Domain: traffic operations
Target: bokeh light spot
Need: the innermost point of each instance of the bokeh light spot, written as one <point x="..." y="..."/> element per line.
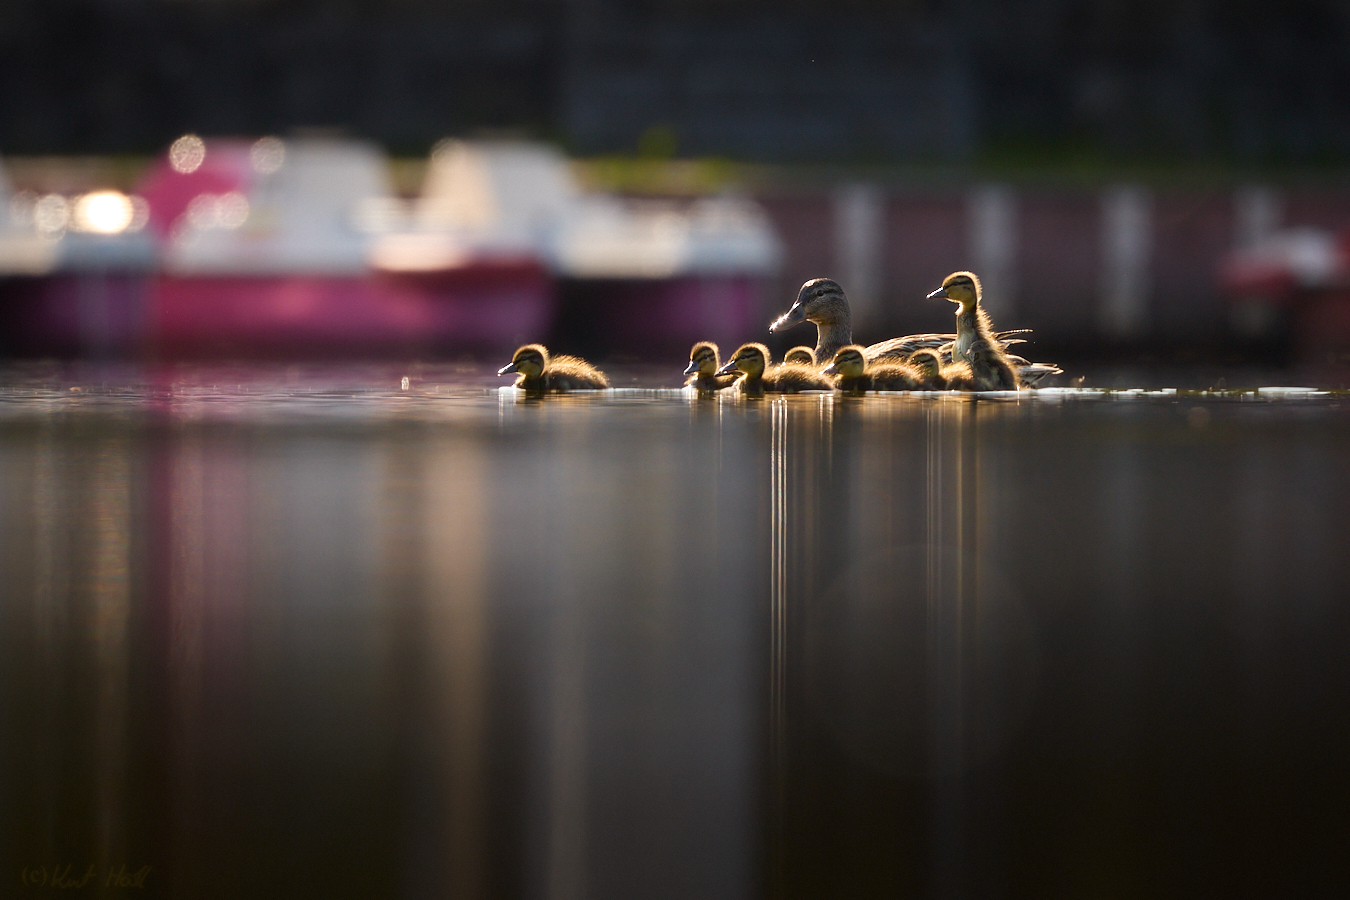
<point x="232" y="210"/>
<point x="187" y="154"/>
<point x="267" y="155"/>
<point x="102" y="212"/>
<point x="51" y="215"/>
<point x="203" y="212"/>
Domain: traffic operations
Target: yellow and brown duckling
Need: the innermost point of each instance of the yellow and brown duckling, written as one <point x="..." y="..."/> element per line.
<point x="990" y="368"/>
<point x="853" y="373"/>
<point x="703" y="366"/>
<point x="973" y="324"/>
<point x="802" y="356"/>
<point x="935" y="375"/>
<point x="752" y="361"/>
<point x="541" y="373"/>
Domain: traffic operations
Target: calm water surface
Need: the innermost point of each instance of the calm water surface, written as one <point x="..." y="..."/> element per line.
<point x="301" y="632"/>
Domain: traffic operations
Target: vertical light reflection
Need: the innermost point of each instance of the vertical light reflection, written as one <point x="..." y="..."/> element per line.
<point x="187" y="603"/>
<point x="778" y="417"/>
<point x="50" y="619"/>
<point x="933" y="517"/>
<point x="109" y="590"/>
<point x="568" y="717"/>
<point x="456" y="642"/>
<point x="951" y="527"/>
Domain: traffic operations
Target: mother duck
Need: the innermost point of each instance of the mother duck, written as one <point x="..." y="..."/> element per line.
<point x="821" y="301"/>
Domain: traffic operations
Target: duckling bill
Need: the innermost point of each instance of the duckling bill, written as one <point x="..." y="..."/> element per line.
<point x="541" y="373"/>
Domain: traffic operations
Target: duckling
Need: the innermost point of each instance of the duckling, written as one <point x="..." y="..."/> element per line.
<point x="853" y="373"/>
<point x="540" y="373"/>
<point x="990" y="368"/>
<point x="973" y="324"/>
<point x="803" y="356"/>
<point x="822" y="302"/>
<point x="937" y="376"/>
<point x="753" y="361"/>
<point x="703" y="364"/>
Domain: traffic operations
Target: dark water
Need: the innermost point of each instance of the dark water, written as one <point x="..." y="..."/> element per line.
<point x="307" y="634"/>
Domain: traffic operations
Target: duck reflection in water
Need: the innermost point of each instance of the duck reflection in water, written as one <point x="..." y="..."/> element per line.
<point x="541" y="374"/>
<point x="757" y="377"/>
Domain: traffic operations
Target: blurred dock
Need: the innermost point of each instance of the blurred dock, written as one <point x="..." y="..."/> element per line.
<point x="305" y="246"/>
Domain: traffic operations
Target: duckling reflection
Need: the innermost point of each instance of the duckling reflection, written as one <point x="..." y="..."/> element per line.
<point x="802" y="356"/>
<point x="973" y="324"/>
<point x="934" y="375"/>
<point x="540" y="373"/>
<point x="854" y="374"/>
<point x="757" y="377"/>
<point x="703" y="366"/>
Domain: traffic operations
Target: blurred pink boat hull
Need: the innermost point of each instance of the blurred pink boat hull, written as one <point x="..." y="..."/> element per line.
<point x="488" y="308"/>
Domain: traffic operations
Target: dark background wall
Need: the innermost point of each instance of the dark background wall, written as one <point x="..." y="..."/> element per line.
<point x="1227" y="80"/>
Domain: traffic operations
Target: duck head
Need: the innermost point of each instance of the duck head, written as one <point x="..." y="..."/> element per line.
<point x="748" y="358"/>
<point x="959" y="287"/>
<point x="848" y="362"/>
<point x="530" y="361"/>
<point x="702" y="359"/>
<point x="804" y="356"/>
<point x="819" y="300"/>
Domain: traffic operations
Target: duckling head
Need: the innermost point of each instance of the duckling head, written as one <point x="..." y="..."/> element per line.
<point x="819" y="300"/>
<point x="702" y="359"/>
<point x="959" y="287"/>
<point x="801" y="355"/>
<point x="748" y="358"/>
<point x="981" y="351"/>
<point x="848" y="362"/>
<point x="927" y="362"/>
<point x="530" y="361"/>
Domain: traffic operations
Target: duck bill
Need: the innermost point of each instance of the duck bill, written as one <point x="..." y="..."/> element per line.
<point x="792" y="317"/>
<point x="507" y="369"/>
<point x="939" y="294"/>
<point x="691" y="368"/>
<point x="727" y="369"/>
